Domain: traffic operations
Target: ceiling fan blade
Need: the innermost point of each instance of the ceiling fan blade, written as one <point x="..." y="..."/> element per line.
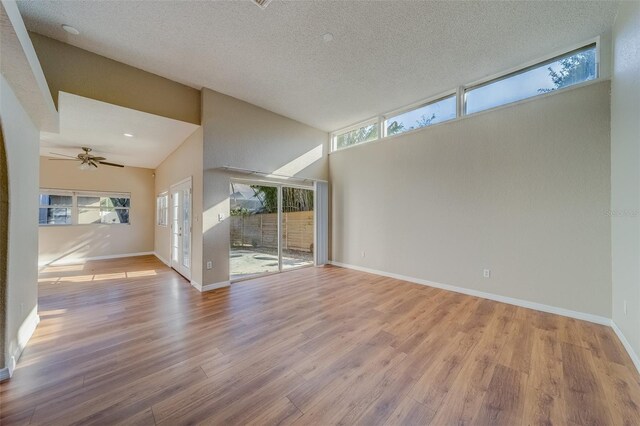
<point x="64" y="159"/>
<point x="110" y="164"/>
<point x="98" y="158"/>
<point x="93" y="163"/>
<point x="63" y="155"/>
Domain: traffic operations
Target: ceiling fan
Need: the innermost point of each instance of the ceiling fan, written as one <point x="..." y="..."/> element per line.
<point x="87" y="160"/>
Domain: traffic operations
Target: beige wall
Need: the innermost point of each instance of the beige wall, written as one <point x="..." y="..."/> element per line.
<point x="242" y="135"/>
<point x="522" y="190"/>
<point x="22" y="139"/>
<point x="74" y="70"/>
<point x="184" y="162"/>
<point x="625" y="171"/>
<point x="68" y="243"/>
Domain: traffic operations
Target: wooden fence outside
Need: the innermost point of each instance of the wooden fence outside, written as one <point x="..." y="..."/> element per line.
<point x="261" y="230"/>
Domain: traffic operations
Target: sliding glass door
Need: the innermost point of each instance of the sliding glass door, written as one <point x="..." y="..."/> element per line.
<point x="297" y="227"/>
<point x="272" y="228"/>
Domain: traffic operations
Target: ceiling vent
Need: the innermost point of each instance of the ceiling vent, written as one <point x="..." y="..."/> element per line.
<point x="262" y="3"/>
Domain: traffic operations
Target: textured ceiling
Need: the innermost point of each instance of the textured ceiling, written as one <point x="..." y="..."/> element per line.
<point x="384" y="54"/>
<point x="101" y="127"/>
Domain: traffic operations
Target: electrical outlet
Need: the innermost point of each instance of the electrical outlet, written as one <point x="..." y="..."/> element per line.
<point x="486" y="273"/>
<point x="209" y="264"/>
<point x="364" y="254"/>
<point x="624" y="307"/>
<point x="220" y="217"/>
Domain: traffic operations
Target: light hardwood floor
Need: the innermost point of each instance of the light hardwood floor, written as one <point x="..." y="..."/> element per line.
<point x="129" y="341"/>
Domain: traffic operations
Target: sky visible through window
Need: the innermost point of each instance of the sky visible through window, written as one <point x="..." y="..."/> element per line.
<point x="570" y="70"/>
<point x="573" y="68"/>
<point x="436" y="112"/>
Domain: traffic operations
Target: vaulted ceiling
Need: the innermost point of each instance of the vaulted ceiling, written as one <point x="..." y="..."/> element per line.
<point x="122" y="135"/>
<point x="383" y="54"/>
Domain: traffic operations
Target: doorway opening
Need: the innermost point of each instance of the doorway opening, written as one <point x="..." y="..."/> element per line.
<point x="272" y="228"/>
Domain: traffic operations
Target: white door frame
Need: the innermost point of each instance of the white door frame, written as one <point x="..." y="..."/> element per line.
<point x="176" y="265"/>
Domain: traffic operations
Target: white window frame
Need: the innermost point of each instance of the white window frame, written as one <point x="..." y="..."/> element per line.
<point x="417" y="105"/>
<point x="163" y="195"/>
<point x="461" y="90"/>
<point x="75" y="209"/>
<point x="365" y="123"/>
<point x="62" y="193"/>
<point x="529" y="66"/>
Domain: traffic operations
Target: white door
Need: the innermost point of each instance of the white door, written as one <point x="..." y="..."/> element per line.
<point x="180" y="211"/>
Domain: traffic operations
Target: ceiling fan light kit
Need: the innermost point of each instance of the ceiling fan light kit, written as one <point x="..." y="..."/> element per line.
<point x="87" y="160"/>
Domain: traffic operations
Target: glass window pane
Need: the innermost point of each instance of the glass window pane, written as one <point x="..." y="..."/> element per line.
<point x="162" y="209"/>
<point x="253" y="224"/>
<point x="54" y="216"/>
<point x="103" y="201"/>
<point x="571" y="69"/>
<point x="363" y="134"/>
<point x="121" y="202"/>
<point x="436" y="112"/>
<point x="297" y="230"/>
<point x="114" y="215"/>
<point x="89" y="215"/>
<point x="88" y="201"/>
<point x="55" y="200"/>
<point x="186" y="229"/>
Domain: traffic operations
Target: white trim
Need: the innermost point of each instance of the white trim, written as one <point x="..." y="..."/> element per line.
<point x="163" y="194"/>
<point x="180" y="268"/>
<point x="362" y="124"/>
<point x="4" y="374"/>
<point x="279" y="226"/>
<point x="496" y="297"/>
<point x="417" y="105"/>
<point x="162" y="259"/>
<point x="209" y="287"/>
<point x="460" y="91"/>
<point x="540" y="60"/>
<point x="25" y="332"/>
<point x="505" y="76"/>
<point x="74" y="260"/>
<point x="356" y="126"/>
<point x="476" y="114"/>
<point x="632" y="354"/>
<point x="272" y="180"/>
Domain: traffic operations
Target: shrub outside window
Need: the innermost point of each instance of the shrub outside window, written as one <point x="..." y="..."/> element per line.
<point x="564" y="71"/>
<point x="365" y="133"/>
<point x="431" y="113"/>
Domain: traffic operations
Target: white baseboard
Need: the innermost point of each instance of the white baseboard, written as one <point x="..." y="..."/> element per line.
<point x="76" y="260"/>
<point x="627" y="345"/>
<point x="210" y="287"/>
<point x="25" y="332"/>
<point x="498" y="298"/>
<point x="162" y="259"/>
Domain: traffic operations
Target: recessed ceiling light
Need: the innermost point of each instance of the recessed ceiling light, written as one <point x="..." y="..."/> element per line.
<point x="70" y="29"/>
<point x="129" y="135"/>
<point x="327" y="37"/>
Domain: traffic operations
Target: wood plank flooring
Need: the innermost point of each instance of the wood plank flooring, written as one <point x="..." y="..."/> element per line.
<point x="128" y="341"/>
